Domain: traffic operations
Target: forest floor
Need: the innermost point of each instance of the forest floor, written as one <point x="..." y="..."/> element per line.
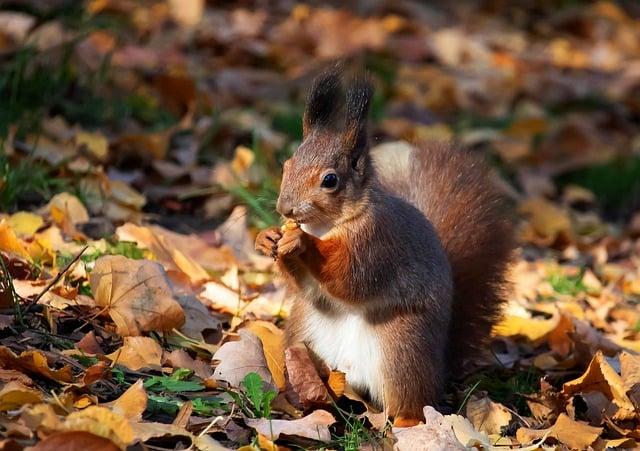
<point x="140" y="152"/>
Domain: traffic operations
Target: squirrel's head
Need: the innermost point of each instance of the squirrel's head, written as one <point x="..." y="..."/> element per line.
<point x="324" y="181"/>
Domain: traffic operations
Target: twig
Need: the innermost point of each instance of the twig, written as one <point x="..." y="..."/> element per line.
<point x="58" y="276"/>
<point x="467" y="396"/>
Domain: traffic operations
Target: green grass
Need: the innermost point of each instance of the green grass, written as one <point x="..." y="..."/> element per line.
<point x="27" y="181"/>
<point x="508" y="387"/>
<point x="567" y="284"/>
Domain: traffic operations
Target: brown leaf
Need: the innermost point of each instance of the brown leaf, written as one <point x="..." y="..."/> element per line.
<point x="14" y="395"/>
<point x="238" y="358"/>
<point x="314" y="426"/>
<point x="89" y="344"/>
<point x="136" y="294"/>
<point x="272" y="340"/>
<point x="34" y="362"/>
<point x="199" y="322"/>
<point x="137" y="353"/>
<point x="13" y="375"/>
<point x="574" y="434"/>
<point x="75" y="441"/>
<point x="600" y="376"/>
<point x="179" y="358"/>
<point x="97" y="372"/>
<point x="486" y="415"/>
<point x="630" y="372"/>
<point x="304" y="378"/>
<point x="132" y="403"/>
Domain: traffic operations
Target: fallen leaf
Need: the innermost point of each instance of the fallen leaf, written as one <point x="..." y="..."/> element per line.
<point x="14" y="395"/>
<point x="9" y="241"/>
<point x="89" y="344"/>
<point x="314" y="426"/>
<point x="272" y="340"/>
<point x="95" y="143"/>
<point x="304" y="378"/>
<point x="25" y="224"/>
<point x="534" y="329"/>
<point x="125" y="195"/>
<point x="186" y="12"/>
<point x="435" y="433"/>
<point x="137" y="353"/>
<point x="239" y="358"/>
<point x="630" y="372"/>
<point x="75" y="441"/>
<point x="487" y="416"/>
<point x="574" y="434"/>
<point x="99" y="371"/>
<point x="179" y="358"/>
<point x="66" y="206"/>
<point x="102" y="422"/>
<point x="136" y="294"/>
<point x="34" y="362"/>
<point x="199" y="323"/>
<point x="600" y="376"/>
<point x="132" y="403"/>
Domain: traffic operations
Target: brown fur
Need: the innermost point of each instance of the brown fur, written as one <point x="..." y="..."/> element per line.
<point x="418" y="250"/>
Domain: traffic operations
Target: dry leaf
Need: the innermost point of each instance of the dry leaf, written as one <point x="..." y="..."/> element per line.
<point x="435" y="433"/>
<point x="75" y="441"/>
<point x="199" y="322"/>
<point x="25" y="224"/>
<point x="239" y="358"/>
<point x="600" y="376"/>
<point x="9" y="241"/>
<point x="272" y="340"/>
<point x="100" y="421"/>
<point x="34" y="362"/>
<point x="137" y="353"/>
<point x="179" y="358"/>
<point x="304" y="378"/>
<point x="630" y="372"/>
<point x="66" y="207"/>
<point x="487" y="416"/>
<point x="136" y="294"/>
<point x="95" y="143"/>
<point x="574" y="434"/>
<point x="132" y="403"/>
<point x="314" y="426"/>
<point x="14" y="395"/>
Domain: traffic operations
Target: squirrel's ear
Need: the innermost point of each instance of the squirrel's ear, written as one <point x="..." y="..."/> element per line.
<point x="359" y="95"/>
<point x="325" y="100"/>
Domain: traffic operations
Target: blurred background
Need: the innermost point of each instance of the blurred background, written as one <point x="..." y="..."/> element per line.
<point x="178" y="110"/>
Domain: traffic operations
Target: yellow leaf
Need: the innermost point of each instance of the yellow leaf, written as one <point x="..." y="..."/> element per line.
<point x="14" y="395"/>
<point x="34" y="362"/>
<point x="96" y="143"/>
<point x="101" y="422"/>
<point x="574" y="434"/>
<point x="66" y="206"/>
<point x="132" y="403"/>
<point x="9" y="242"/>
<point x="25" y="224"/>
<point x="137" y="353"/>
<point x="600" y="376"/>
<point x="136" y="294"/>
<point x="272" y="340"/>
<point x="532" y="328"/>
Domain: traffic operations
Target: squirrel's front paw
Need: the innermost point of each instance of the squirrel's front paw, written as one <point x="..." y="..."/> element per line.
<point x="291" y="243"/>
<point x="267" y="241"/>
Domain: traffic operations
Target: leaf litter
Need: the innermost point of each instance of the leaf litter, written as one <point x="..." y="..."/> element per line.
<point x="138" y="159"/>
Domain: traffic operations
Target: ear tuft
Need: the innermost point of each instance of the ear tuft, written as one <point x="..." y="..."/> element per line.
<point x="359" y="95"/>
<point x="325" y="100"/>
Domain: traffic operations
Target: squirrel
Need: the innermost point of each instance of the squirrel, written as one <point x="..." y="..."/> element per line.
<point x="397" y="259"/>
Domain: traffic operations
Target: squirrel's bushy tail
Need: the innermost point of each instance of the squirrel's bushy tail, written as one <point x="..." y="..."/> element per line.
<point x="455" y="191"/>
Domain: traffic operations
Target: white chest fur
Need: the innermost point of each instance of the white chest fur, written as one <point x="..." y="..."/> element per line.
<point x="347" y="343"/>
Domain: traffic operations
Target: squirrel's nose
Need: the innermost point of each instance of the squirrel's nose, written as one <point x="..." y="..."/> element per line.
<point x="284" y="207"/>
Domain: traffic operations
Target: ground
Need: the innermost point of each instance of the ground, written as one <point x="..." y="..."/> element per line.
<point x="141" y="146"/>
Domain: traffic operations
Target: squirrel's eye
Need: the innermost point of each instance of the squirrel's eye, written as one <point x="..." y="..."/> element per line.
<point x="329" y="181"/>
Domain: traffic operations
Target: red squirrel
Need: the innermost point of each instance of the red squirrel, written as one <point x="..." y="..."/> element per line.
<point x="397" y="259"/>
